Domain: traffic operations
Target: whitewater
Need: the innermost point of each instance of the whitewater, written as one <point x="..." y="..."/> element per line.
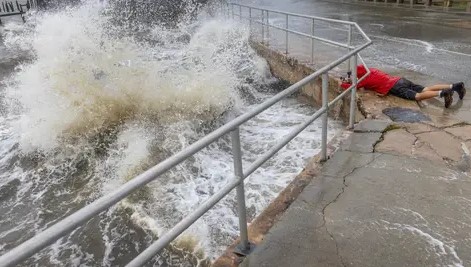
<point x="91" y="103"/>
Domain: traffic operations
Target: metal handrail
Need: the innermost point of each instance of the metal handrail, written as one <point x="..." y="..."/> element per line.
<point x="425" y="6"/>
<point x="344" y="22"/>
<point x="265" y="22"/>
<point x="296" y="14"/>
<point x="61" y="228"/>
<point x="8" y="9"/>
<point x="330" y="42"/>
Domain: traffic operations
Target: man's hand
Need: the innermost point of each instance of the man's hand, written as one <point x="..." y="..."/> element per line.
<point x="346" y="80"/>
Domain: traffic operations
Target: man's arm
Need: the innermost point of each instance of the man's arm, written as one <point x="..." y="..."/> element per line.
<point x="345" y="83"/>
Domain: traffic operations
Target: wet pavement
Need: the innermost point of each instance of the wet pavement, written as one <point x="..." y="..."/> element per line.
<point x="405" y="114"/>
<point x="393" y="195"/>
<point x="425" y="47"/>
<point x="456" y="8"/>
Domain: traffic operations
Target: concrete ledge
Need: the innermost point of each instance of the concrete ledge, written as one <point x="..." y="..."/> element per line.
<point x="291" y="70"/>
<point x="361" y="142"/>
<point x="371" y="126"/>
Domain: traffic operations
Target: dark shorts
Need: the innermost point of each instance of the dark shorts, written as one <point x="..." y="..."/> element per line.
<point x="406" y="89"/>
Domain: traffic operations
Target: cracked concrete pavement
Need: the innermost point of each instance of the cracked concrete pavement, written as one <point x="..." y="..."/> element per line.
<point x="394" y="194"/>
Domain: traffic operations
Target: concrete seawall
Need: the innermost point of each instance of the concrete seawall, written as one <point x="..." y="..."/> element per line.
<point x="291" y="70"/>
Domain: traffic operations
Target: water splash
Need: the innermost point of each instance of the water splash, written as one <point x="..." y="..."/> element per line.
<point x="92" y="108"/>
<point x="98" y="80"/>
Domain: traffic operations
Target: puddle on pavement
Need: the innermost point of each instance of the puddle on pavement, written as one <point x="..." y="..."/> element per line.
<point x="405" y="115"/>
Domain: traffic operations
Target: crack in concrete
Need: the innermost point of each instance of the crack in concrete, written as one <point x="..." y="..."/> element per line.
<point x="458" y="137"/>
<point x="324" y="223"/>
<point x="433" y="126"/>
<point x="417" y="139"/>
<point x="380" y="139"/>
<point x="362" y="109"/>
<point x="431" y="131"/>
<point x="448" y="161"/>
<point x="461" y="123"/>
<point x="415" y="136"/>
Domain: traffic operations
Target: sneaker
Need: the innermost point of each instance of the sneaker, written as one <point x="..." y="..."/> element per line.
<point x="459" y="88"/>
<point x="448" y="95"/>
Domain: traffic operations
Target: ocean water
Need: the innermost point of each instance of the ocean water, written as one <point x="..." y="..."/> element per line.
<point x="88" y="103"/>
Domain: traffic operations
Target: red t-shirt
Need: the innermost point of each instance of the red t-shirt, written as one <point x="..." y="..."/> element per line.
<point x="377" y="81"/>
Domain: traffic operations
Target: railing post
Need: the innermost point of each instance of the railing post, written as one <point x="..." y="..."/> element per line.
<point x="268" y="30"/>
<point x="287" y="44"/>
<point x="312" y="42"/>
<point x="349" y="42"/>
<point x="250" y="18"/>
<point x="263" y="27"/>
<point x="325" y="105"/>
<point x="353" y="100"/>
<point x="244" y="247"/>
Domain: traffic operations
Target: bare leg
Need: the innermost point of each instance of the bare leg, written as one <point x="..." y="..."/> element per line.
<point x="437" y="87"/>
<point x="427" y="94"/>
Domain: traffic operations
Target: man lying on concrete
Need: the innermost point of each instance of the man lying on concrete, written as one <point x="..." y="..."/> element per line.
<point x="384" y="84"/>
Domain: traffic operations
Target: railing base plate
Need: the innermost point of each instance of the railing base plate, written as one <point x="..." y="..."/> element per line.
<point x="239" y="250"/>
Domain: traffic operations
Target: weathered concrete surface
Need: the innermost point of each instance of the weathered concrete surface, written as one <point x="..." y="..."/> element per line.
<point x="300" y="237"/>
<point x="416" y="128"/>
<point x="367" y="126"/>
<point x="463" y="132"/>
<point x="370" y="208"/>
<point x="399" y="211"/>
<point x="397" y="141"/>
<point x="426" y="141"/>
<point x="444" y="143"/>
<point x="361" y="142"/>
<point x="403" y="142"/>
